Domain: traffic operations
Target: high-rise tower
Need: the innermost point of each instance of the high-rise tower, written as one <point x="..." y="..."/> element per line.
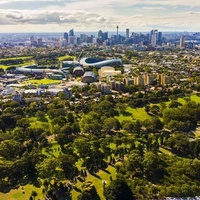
<point x="117" y="33"/>
<point x="71" y="32"/>
<point x="127" y="33"/>
<point x="159" y="38"/>
<point x="153" y="40"/>
<point x="100" y="34"/>
<point x="182" y="42"/>
<point x="66" y="36"/>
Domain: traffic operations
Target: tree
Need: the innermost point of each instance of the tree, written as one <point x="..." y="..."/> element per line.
<point x="10" y="149"/>
<point x="179" y="143"/>
<point x="48" y="168"/>
<point x="110" y="124"/>
<point x="90" y="123"/>
<point x="153" y="125"/>
<point x="23" y="123"/>
<point x="134" y="162"/>
<point x="34" y="194"/>
<point x="89" y="192"/>
<point x="118" y="190"/>
<point x="67" y="164"/>
<point x="153" y="166"/>
<point x="41" y="116"/>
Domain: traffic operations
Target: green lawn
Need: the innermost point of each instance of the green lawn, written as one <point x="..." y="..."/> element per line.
<point x="38" y="124"/>
<point x="55" y="150"/>
<point x="15" y="58"/>
<point x="17" y="194"/>
<point x="67" y="57"/>
<point x="195" y="98"/>
<point x="134" y="114"/>
<point x="4" y="67"/>
<point x="41" y="81"/>
<point x="97" y="181"/>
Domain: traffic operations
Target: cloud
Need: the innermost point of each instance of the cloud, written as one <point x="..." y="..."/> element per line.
<point x="48" y="17"/>
<point x="104" y="14"/>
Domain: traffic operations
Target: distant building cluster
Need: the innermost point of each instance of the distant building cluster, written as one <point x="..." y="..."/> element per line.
<point x="145" y="79"/>
<point x="153" y="38"/>
<point x="142" y="41"/>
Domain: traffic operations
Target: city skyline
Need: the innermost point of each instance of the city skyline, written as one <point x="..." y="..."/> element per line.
<point x="87" y="15"/>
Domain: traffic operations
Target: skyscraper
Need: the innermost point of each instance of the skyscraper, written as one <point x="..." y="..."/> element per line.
<point x="71" y="32"/>
<point x="66" y="36"/>
<point x="152" y="32"/>
<point x="159" y="38"/>
<point x="117" y="33"/>
<point x="105" y="36"/>
<point x="127" y="34"/>
<point x="100" y="34"/>
<point x="153" y="40"/>
<point x="182" y="42"/>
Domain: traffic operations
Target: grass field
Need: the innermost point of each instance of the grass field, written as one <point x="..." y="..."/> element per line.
<point x="193" y="97"/>
<point x="17" y="194"/>
<point x="67" y="57"/>
<point x="41" y="81"/>
<point x="27" y="61"/>
<point x="38" y="124"/>
<point x="4" y="67"/>
<point x="15" y="58"/>
<point x="97" y="181"/>
<point x="134" y="114"/>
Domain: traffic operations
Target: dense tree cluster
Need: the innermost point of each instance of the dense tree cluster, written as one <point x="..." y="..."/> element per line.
<point x="92" y="134"/>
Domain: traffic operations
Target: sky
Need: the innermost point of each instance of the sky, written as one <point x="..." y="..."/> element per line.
<point x="93" y="15"/>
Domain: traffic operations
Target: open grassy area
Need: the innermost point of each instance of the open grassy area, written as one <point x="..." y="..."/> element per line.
<point x="67" y="57"/>
<point x="55" y="150"/>
<point x="195" y="98"/>
<point x="17" y="194"/>
<point x="97" y="181"/>
<point x="38" y="124"/>
<point x="4" y="67"/>
<point x="41" y="81"/>
<point x="134" y="114"/>
<point x="15" y="58"/>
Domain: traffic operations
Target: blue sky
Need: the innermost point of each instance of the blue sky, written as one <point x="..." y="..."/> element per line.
<point x="93" y="15"/>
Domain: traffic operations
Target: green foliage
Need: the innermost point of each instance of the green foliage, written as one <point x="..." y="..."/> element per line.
<point x="89" y="123"/>
<point x="118" y="190"/>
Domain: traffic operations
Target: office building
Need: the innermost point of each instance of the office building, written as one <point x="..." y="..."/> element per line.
<point x="71" y="40"/>
<point x="66" y="36"/>
<point x="105" y="36"/>
<point x="182" y="42"/>
<point x="71" y="32"/>
<point x="153" y="40"/>
<point x="117" y="33"/>
<point x="127" y="34"/>
<point x="40" y="42"/>
<point x="100" y="34"/>
<point x="159" y="37"/>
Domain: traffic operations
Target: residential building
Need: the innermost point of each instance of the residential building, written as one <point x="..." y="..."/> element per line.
<point x="17" y="96"/>
<point x="139" y="80"/>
